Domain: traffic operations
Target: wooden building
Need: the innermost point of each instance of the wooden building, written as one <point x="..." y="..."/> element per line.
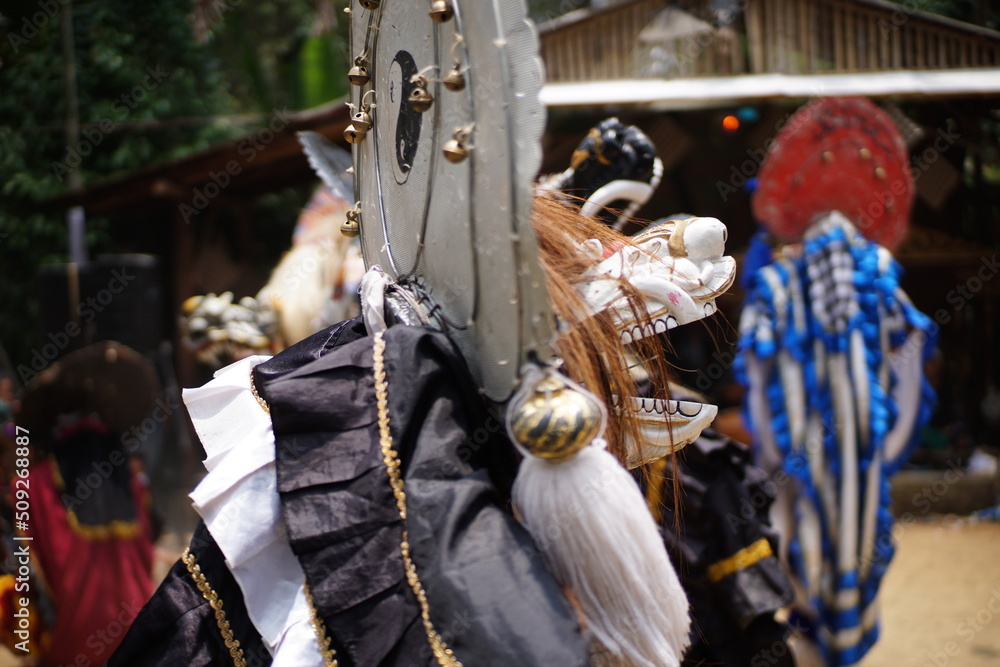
<point x="678" y="53"/>
<point x="676" y="69"/>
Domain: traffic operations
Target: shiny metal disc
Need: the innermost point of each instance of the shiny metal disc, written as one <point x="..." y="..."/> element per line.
<point x="458" y="226"/>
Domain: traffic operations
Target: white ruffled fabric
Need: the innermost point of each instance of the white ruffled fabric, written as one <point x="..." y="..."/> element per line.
<point x="239" y="503"/>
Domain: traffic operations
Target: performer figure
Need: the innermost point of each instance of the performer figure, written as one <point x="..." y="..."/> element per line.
<point x="363" y="484"/>
<point x="831" y="350"/>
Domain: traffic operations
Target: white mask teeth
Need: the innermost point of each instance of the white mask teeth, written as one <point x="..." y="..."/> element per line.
<point x="684" y="409"/>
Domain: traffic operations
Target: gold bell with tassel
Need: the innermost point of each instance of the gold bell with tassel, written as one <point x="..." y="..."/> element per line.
<point x="370" y="5"/>
<point x="553" y="420"/>
<point x="577" y="500"/>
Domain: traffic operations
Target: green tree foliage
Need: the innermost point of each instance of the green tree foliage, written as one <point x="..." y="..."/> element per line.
<point x="542" y="11"/>
<point x="147" y="91"/>
<point x="277" y="55"/>
<point x="155" y="81"/>
<point x="982" y="12"/>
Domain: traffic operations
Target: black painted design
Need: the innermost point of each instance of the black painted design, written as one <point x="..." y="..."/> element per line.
<point x="408" y="121"/>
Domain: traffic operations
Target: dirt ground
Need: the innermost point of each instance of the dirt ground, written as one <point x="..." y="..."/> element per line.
<point x="940" y="599"/>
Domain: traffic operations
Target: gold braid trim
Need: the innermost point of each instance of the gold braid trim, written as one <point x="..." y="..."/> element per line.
<point x="253" y="390"/>
<point x="740" y="560"/>
<point x="390" y="458"/>
<point x="235" y="652"/>
<point x="322" y="638"/>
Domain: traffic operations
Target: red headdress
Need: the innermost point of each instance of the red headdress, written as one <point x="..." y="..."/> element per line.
<point x="836" y="154"/>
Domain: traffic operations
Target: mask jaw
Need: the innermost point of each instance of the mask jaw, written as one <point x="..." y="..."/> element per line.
<point x="665" y="428"/>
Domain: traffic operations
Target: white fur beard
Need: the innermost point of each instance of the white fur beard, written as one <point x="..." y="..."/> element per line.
<point x="591" y="524"/>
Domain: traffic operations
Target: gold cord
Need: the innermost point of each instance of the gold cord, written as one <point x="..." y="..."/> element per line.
<point x="740" y="560"/>
<point x="656" y="478"/>
<point x="322" y="638"/>
<point x="214" y="601"/>
<point x="445" y="656"/>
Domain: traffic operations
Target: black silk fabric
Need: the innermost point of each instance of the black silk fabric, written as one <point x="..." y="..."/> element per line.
<point x="178" y="626"/>
<point x="490" y="598"/>
<point x="489" y="595"/>
<point x="724" y="508"/>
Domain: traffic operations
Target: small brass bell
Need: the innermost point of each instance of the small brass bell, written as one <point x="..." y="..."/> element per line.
<point x="455" y="150"/>
<point x="442" y="11"/>
<point x="362" y="121"/>
<point x="358" y="75"/>
<point x="354" y="135"/>
<point x="420" y="98"/>
<point x="370" y="5"/>
<point x="350" y="227"/>
<point x="454" y="80"/>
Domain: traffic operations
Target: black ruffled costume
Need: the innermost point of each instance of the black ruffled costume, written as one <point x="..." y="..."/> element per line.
<point x="489" y="595"/>
<point x="726" y="556"/>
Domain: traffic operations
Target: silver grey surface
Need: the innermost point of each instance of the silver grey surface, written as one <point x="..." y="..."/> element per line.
<point x="462" y="229"/>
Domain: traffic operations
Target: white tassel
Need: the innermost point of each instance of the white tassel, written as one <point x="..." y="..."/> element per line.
<point x="595" y="533"/>
<point x="373" y="287"/>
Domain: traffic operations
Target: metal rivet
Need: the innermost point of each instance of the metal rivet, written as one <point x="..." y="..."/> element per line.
<point x="865" y="154"/>
<point x="827" y="156"/>
<point x="880" y="173"/>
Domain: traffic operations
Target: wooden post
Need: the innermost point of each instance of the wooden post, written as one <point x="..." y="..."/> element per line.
<point x="850" y="40"/>
<point x="755" y="36"/>
<point x="920" y="61"/>
<point x="183" y="286"/>
<point x="838" y="38"/>
<point x="806" y="37"/>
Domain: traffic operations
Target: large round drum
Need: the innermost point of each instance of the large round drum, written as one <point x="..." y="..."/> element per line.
<point x="445" y="194"/>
